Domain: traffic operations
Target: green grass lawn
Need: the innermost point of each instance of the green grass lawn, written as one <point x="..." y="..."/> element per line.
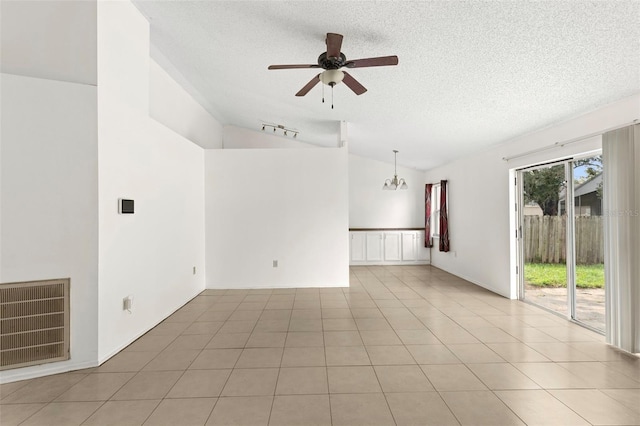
<point x="555" y="275"/>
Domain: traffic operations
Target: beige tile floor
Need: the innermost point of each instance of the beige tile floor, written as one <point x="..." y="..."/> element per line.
<point x="408" y="345"/>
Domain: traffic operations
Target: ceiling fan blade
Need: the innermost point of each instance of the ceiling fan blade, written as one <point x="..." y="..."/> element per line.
<point x="334" y="44"/>
<point x="372" y="62"/>
<point x="353" y="84"/>
<point x="290" y="67"/>
<point x="315" y="80"/>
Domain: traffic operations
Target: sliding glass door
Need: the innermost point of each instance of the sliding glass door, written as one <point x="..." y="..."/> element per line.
<point x="560" y="239"/>
<point x="543" y="237"/>
<point x="589" y="242"/>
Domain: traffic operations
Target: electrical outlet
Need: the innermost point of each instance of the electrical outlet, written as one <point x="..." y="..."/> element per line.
<point x="275" y="263"/>
<point x="127" y="303"/>
<point x="194" y="270"/>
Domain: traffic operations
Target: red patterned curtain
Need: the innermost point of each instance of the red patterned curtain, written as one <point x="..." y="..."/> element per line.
<point x="427" y="215"/>
<point x="444" y="223"/>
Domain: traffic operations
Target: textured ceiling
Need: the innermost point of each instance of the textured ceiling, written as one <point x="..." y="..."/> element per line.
<point x="470" y="74"/>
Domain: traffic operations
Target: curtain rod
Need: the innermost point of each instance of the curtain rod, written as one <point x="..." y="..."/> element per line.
<point x="570" y="141"/>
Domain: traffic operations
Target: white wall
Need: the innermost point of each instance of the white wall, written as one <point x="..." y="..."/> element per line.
<point x="289" y="205"/>
<point x="49" y="192"/>
<point x="150" y="254"/>
<point x="54" y="39"/>
<point x="239" y="138"/>
<point x="481" y="195"/>
<point x="172" y="106"/>
<point x="371" y="207"/>
<point x="69" y="150"/>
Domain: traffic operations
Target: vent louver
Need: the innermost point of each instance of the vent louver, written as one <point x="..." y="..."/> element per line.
<point x="34" y="323"/>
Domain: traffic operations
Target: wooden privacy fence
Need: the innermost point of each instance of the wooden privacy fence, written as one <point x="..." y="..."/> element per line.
<point x="545" y="239"/>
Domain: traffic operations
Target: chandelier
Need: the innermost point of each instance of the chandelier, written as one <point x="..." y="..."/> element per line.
<point x="395" y="182"/>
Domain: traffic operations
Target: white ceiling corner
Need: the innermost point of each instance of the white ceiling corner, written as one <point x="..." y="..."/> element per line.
<point x="471" y="74"/>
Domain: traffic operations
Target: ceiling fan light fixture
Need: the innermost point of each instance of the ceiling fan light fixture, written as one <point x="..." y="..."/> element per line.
<point x="331" y="77"/>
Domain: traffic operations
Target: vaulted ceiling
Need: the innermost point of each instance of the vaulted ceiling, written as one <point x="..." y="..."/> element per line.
<point x="470" y="75"/>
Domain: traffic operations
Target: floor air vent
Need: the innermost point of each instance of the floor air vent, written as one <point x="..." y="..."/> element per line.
<point x="34" y="323"/>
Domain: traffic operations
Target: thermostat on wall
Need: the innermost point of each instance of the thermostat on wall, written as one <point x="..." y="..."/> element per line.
<point x="125" y="206"/>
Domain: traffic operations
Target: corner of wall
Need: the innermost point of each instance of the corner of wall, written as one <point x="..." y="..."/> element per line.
<point x="148" y="255"/>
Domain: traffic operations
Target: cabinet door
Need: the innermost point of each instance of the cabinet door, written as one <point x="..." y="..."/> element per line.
<point x="422" y="252"/>
<point x="374" y="246"/>
<point x="392" y="246"/>
<point x="408" y="246"/>
<point x="357" y="247"/>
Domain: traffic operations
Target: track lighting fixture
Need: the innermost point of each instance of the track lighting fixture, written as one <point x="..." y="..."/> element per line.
<point x="285" y="130"/>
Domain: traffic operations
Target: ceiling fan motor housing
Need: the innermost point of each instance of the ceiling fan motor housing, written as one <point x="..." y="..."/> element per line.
<point x="331" y="63"/>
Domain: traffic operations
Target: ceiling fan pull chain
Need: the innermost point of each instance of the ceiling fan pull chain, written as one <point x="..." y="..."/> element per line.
<point x="323" y="93"/>
<point x="332" y="96"/>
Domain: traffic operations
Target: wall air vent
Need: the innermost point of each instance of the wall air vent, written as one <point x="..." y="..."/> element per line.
<point x="34" y="323"/>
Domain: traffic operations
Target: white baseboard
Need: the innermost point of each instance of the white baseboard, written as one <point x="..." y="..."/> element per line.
<point x="390" y="263"/>
<point x="42" y="370"/>
<point x="271" y="287"/>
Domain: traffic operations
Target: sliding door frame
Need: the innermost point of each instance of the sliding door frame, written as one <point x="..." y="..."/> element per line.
<point x="520" y="218"/>
<point x="570" y="260"/>
<point x="571" y="239"/>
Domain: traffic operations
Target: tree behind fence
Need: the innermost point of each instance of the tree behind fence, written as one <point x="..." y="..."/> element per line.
<point x="545" y="239"/>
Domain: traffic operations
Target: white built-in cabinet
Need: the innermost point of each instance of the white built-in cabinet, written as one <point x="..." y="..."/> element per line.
<point x="409" y="249"/>
<point x="374" y="245"/>
<point x="392" y="245"/>
<point x="388" y="247"/>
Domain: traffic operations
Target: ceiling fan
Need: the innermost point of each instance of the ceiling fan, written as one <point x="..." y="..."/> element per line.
<point x="332" y="61"/>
